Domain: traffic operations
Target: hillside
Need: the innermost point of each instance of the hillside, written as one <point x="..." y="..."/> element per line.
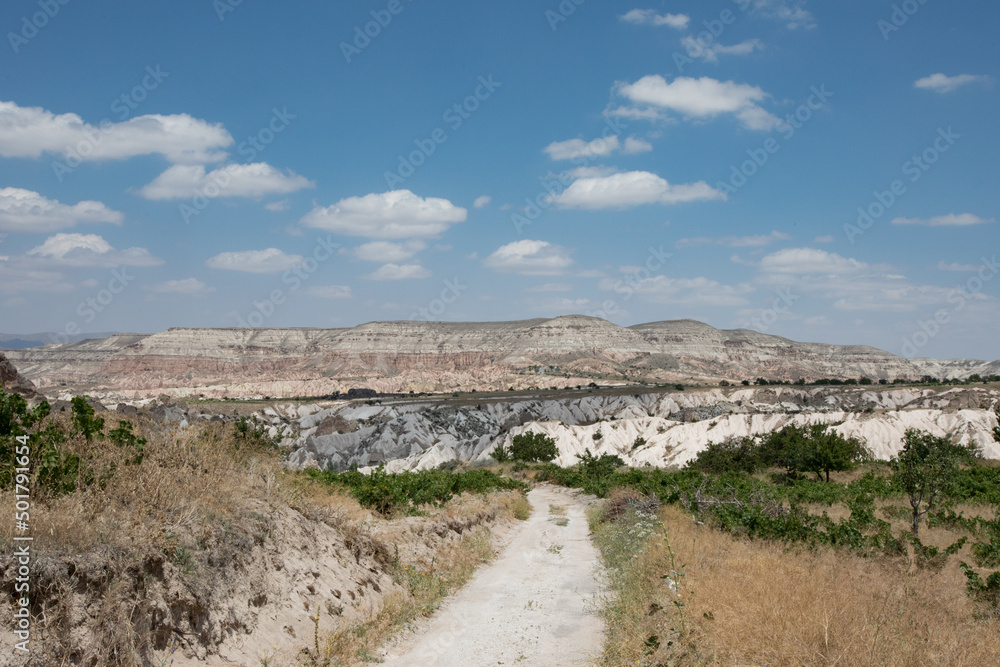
<point x="446" y="356"/>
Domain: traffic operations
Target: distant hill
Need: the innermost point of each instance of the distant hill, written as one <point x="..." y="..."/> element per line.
<point x="21" y="341"/>
<point x="453" y="356"/>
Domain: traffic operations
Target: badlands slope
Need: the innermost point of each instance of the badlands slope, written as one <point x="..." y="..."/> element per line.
<point x="411" y="435"/>
<point x="443" y="356"/>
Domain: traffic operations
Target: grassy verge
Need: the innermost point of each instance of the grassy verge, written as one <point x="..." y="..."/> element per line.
<point x="688" y="594"/>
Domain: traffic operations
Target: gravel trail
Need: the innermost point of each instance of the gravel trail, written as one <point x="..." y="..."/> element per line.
<point x="534" y="605"/>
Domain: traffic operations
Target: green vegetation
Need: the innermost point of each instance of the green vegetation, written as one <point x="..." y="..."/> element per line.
<point x="798" y="449"/>
<point x="406" y="491"/>
<point x="527" y="447"/>
<point x="927" y="470"/>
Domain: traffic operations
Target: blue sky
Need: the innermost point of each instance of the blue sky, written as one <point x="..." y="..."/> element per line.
<point x="820" y="171"/>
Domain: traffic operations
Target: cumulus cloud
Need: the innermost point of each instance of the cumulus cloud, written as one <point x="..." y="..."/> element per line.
<point x="650" y="17"/>
<point x="701" y="98"/>
<point x="530" y="258"/>
<point x="823" y="239"/>
<point x="710" y="52"/>
<point x="89" y="250"/>
<point x="270" y="260"/>
<point x="330" y="291"/>
<point x="386" y="251"/>
<point x="191" y="286"/>
<point x="31" y="131"/>
<point x="482" y="202"/>
<point x="234" y="180"/>
<point x="631" y="188"/>
<point x="950" y="220"/>
<point x="735" y="241"/>
<point x="393" y="271"/>
<point x="397" y="214"/>
<point x="27" y="211"/>
<point x="941" y="83"/>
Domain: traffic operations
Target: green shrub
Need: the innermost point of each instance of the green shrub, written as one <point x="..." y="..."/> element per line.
<point x="84" y="421"/>
<point x="985" y="592"/>
<point x="531" y="447"/>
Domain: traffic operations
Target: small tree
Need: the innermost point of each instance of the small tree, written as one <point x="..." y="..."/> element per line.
<point x="926" y="468"/>
<point x="530" y="447"/>
<point x="825" y="450"/>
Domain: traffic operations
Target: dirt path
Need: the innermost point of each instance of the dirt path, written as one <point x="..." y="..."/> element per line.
<point x="534" y="605"/>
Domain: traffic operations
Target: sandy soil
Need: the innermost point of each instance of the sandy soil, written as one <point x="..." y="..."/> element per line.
<point x="534" y="605"/>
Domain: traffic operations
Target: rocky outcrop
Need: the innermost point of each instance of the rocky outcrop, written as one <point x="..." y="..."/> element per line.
<point x="13" y="382"/>
<point x="673" y="427"/>
<point x="448" y="356"/>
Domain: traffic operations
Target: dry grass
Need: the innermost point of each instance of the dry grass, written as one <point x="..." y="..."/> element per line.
<point x="187" y="478"/>
<point x="760" y="603"/>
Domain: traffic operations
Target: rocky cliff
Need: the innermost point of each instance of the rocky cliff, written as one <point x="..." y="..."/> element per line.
<point x="445" y="356"/>
<point x="13" y="382"/>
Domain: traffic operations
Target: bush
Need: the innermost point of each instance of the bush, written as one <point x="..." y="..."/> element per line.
<point x="389" y="492"/>
<point x="738" y="455"/>
<point x="531" y="447"/>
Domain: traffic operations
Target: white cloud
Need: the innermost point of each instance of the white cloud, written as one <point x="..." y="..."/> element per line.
<point x="529" y="258"/>
<point x="633" y="146"/>
<point x="482" y="202"/>
<point x="634" y="113"/>
<point x="631" y="188"/>
<point x="693" y="291"/>
<point x="650" y="17"/>
<point x="950" y="220"/>
<point x="943" y="266"/>
<point x="940" y="83"/>
<point x="701" y="98"/>
<point x="277" y="206"/>
<point x="399" y="272"/>
<point x="577" y="148"/>
<point x="846" y="283"/>
<point x="270" y="260"/>
<point x="89" y="250"/>
<point x="386" y="251"/>
<point x="17" y="279"/>
<point x="790" y="12"/>
<point x="810" y="261"/>
<point x="397" y="214"/>
<point x="184" y="286"/>
<point x="27" y="211"/>
<point x="602" y="147"/>
<point x="331" y="291"/>
<point x="823" y="239"/>
<point x="234" y="180"/>
<point x="735" y="241"/>
<point x="31" y="131"/>
<point x="710" y="52"/>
